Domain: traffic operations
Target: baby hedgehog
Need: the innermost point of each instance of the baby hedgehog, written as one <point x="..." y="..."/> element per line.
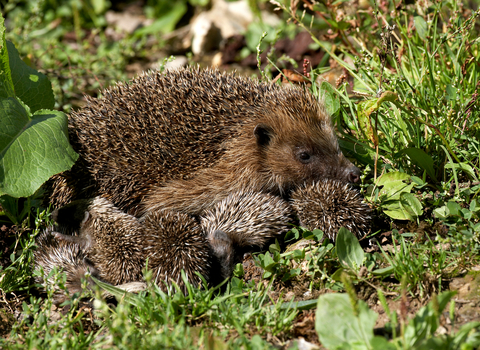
<point x="329" y="205"/>
<point x="64" y="255"/>
<point x="185" y="140"/>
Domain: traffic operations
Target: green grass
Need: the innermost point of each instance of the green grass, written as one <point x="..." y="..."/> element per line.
<point x="407" y="112"/>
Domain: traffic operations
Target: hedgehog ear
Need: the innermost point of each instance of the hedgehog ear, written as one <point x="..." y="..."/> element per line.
<point x="263" y="133"/>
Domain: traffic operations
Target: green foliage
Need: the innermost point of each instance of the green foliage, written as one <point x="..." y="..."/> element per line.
<point x="430" y="74"/>
<point x="17" y="276"/>
<point x="407" y="109"/>
<point x="394" y="196"/>
<point x="285" y="266"/>
<point x="346" y="323"/>
<point x="349" y="251"/>
<point x="155" y="319"/>
<point x="341" y="323"/>
<point x="34" y="140"/>
<point x="31" y="87"/>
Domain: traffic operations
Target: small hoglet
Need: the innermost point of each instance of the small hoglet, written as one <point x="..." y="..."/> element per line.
<point x="115" y="246"/>
<point x="329" y="205"/>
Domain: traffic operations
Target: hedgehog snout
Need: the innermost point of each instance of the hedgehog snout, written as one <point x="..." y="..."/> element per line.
<point x="353" y="174"/>
<point x="222" y="248"/>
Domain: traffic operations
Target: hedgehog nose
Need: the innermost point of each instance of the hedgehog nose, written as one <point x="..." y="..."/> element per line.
<point x="353" y="175"/>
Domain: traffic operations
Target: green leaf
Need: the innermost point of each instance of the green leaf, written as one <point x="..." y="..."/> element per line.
<point x="441" y="213"/>
<point x="394" y="189"/>
<point x="451" y="93"/>
<point x="31" y="86"/>
<point x="421" y="26"/>
<point x="332" y="100"/>
<point x="299" y="305"/>
<point x="349" y="251"/>
<point x="339" y="325"/>
<point x="463" y="334"/>
<point x="268" y="261"/>
<point x="426" y="320"/>
<point x="411" y="204"/>
<point x="32" y="148"/>
<point x="364" y="109"/>
<point x="167" y="22"/>
<point x="421" y="159"/>
<point x="390" y="177"/>
<point x="405" y="207"/>
<point x="383" y="272"/>
<point x="6" y="83"/>
<point x="466" y="168"/>
<point x="318" y="234"/>
<point x="453" y="208"/>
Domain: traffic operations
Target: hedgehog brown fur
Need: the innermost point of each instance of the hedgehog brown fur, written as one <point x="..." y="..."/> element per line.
<point x="186" y="139"/>
<point x="329" y="205"/>
<point x="117" y="245"/>
<point x="66" y="256"/>
<point x="174" y="242"/>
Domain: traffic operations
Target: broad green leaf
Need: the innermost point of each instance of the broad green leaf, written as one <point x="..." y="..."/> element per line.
<point x="6" y="83"/>
<point x="406" y="207"/>
<point x="339" y="325"/>
<point x="393" y="185"/>
<point x="411" y="204"/>
<point x="441" y="213"/>
<point x="331" y="99"/>
<point x="421" y="26"/>
<point x="394" y="189"/>
<point x="268" y="261"/>
<point x="393" y="176"/>
<point x="421" y="159"/>
<point x="32" y="148"/>
<point x="31" y="86"/>
<point x="453" y="208"/>
<point x="349" y="251"/>
<point x="397" y="213"/>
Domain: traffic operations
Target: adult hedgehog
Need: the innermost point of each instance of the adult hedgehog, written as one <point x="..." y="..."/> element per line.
<point x="184" y="140"/>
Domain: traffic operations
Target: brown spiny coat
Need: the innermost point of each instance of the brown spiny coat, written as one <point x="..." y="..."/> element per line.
<point x="185" y="139"/>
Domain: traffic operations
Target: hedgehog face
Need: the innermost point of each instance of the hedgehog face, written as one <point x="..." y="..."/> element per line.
<point x="308" y="152"/>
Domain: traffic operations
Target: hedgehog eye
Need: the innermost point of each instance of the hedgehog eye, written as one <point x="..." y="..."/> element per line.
<point x="304" y="157"/>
